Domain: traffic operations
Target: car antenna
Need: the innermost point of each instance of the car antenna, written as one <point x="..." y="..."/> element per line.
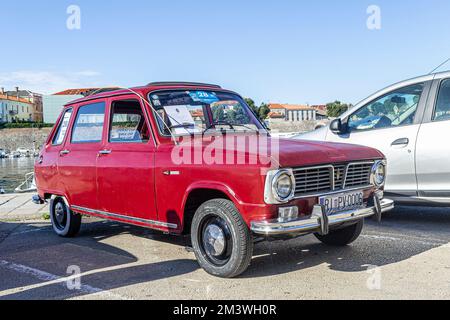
<point x="440" y="66"/>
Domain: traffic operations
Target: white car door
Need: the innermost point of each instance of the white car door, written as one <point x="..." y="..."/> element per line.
<point x="433" y="148"/>
<point x="390" y="123"/>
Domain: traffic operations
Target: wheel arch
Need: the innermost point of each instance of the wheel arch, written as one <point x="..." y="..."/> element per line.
<point x="198" y="194"/>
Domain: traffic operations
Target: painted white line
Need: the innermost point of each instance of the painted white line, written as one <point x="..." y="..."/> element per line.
<point x="50" y="279"/>
<point x="380" y="237"/>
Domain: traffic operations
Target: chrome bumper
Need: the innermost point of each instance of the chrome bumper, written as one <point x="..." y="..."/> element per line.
<point x="319" y="221"/>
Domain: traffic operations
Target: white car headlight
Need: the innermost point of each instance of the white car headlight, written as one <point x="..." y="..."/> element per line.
<point x="378" y="176"/>
<point x="280" y="186"/>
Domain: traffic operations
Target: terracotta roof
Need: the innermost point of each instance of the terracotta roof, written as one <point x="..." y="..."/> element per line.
<point x="276" y="115"/>
<point x="14" y="98"/>
<point x="83" y="91"/>
<point x="289" y="106"/>
<point x="320" y="107"/>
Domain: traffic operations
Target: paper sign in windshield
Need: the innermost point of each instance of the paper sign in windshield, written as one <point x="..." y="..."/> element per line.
<point x="181" y="118"/>
<point x="64" y="126"/>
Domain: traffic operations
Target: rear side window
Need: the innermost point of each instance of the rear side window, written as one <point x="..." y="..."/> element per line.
<point x="88" y="127"/>
<point x="128" y="123"/>
<point x="61" y="133"/>
<point x="442" y="110"/>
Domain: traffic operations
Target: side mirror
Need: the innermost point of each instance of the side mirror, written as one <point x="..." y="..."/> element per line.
<point x="336" y="126"/>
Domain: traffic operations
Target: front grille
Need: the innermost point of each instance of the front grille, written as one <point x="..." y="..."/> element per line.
<point x="358" y="175"/>
<point x="324" y="179"/>
<point x="313" y="180"/>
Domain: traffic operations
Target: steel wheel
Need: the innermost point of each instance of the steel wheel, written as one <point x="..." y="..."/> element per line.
<point x="215" y="239"/>
<point x="60" y="215"/>
<point x="65" y="222"/>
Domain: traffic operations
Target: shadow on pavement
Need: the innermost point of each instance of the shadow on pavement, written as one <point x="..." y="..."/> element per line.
<point x="53" y="255"/>
<point x="431" y="227"/>
<point x="89" y="251"/>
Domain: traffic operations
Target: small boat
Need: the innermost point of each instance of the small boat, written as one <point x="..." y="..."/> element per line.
<point x="29" y="185"/>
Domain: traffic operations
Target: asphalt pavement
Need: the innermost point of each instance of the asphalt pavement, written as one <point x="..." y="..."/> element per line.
<point x="407" y="256"/>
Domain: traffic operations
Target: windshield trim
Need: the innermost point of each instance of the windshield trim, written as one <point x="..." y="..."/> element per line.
<point x="204" y="132"/>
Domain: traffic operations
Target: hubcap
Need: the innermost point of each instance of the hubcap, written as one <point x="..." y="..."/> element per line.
<point x="214" y="240"/>
<point x="60" y="215"/>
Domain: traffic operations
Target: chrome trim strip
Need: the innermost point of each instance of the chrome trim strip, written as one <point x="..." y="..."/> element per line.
<point x="314" y="222"/>
<point x="363" y="188"/>
<point x="115" y="215"/>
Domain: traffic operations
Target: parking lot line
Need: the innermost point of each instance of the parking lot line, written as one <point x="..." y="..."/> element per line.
<point x="51" y="279"/>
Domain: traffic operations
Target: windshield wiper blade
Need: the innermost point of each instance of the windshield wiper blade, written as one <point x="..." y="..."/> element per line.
<point x="231" y="125"/>
<point x="182" y="126"/>
<point x="219" y="123"/>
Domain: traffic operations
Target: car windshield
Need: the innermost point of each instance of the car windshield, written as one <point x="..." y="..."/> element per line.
<point x="196" y="112"/>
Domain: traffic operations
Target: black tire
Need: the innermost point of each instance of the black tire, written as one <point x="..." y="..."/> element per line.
<point x="65" y="222"/>
<point x="237" y="250"/>
<point x="344" y="236"/>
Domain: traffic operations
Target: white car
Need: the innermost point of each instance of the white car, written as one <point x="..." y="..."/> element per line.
<point x="410" y="123"/>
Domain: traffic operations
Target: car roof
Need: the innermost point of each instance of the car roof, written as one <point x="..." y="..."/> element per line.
<point x="144" y="90"/>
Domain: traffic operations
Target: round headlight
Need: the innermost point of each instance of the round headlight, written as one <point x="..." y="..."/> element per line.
<point x="283" y="186"/>
<point x="379" y="174"/>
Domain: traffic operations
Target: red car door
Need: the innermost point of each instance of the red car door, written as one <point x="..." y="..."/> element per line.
<point x="46" y="167"/>
<point x="77" y="161"/>
<point x="125" y="165"/>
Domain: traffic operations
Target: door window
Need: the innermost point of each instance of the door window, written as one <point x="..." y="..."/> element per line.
<point x="442" y="110"/>
<point x="128" y="123"/>
<point x="88" y="127"/>
<point x="60" y="135"/>
<point x="397" y="108"/>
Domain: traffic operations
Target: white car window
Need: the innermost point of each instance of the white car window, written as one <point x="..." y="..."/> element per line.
<point x="442" y="110"/>
<point x="397" y="108"/>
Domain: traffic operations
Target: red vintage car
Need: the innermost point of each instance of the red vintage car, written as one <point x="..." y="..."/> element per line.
<point x="190" y="158"/>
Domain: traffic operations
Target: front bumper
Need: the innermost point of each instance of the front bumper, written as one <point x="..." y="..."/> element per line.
<point x="319" y="221"/>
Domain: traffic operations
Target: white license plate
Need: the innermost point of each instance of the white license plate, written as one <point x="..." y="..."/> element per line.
<point x="342" y="202"/>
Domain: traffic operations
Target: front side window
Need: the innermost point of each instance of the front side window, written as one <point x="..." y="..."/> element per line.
<point x="196" y="112"/>
<point x="88" y="127"/>
<point x="442" y="110"/>
<point x="128" y="123"/>
<point x="60" y="135"/>
<point x="397" y="108"/>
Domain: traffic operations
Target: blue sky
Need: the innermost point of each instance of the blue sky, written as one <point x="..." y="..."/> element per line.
<point x="273" y="51"/>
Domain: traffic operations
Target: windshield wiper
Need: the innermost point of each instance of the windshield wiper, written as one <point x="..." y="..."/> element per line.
<point x="218" y="123"/>
<point x="227" y="123"/>
<point x="182" y="126"/>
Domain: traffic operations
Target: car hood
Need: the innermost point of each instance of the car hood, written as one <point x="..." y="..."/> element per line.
<point x="297" y="153"/>
<point x="288" y="153"/>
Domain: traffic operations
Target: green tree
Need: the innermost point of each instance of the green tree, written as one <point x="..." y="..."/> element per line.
<point x="251" y="103"/>
<point x="335" y="109"/>
<point x="263" y="111"/>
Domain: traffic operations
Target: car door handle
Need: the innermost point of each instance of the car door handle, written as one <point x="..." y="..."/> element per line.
<point x="400" y="142"/>
<point x="64" y="152"/>
<point x="104" y="152"/>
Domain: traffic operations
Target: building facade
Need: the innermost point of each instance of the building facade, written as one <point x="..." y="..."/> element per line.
<point x="53" y="104"/>
<point x="13" y="109"/>
<point x="23" y="96"/>
<point x="294" y="113"/>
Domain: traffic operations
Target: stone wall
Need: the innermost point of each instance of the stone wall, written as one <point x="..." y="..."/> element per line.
<point x="302" y="126"/>
<point x="11" y="139"/>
